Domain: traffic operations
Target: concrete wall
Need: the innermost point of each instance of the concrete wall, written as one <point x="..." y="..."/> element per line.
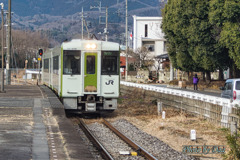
<point x="159" y="48"/>
<point x="140" y="77"/>
<point x="154" y="29"/>
<point x="214" y="113"/>
<point x="164" y="76"/>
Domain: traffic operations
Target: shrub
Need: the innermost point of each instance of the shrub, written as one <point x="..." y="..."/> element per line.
<point x="234" y="153"/>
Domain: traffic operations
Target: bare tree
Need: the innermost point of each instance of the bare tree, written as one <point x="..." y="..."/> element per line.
<point x="135" y="59"/>
<point x="142" y="58"/>
<point x="25" y="46"/>
<point x="157" y="65"/>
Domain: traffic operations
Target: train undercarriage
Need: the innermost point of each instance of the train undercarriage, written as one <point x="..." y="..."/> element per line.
<point x="90" y="103"/>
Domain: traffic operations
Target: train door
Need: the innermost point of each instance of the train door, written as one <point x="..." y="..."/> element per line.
<point x="71" y="79"/>
<point x="90" y="72"/>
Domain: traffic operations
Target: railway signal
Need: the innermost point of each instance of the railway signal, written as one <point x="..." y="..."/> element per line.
<point x="40" y="52"/>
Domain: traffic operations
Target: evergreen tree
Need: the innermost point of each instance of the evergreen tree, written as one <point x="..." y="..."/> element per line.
<point x="230" y="35"/>
<point x="193" y="39"/>
<point x="175" y="24"/>
<point x="224" y="15"/>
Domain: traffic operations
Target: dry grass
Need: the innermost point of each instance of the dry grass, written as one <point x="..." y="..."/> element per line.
<point x="176" y="132"/>
<point x="175" y="129"/>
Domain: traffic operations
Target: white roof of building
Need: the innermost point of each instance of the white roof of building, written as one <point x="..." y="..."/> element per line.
<point x="147" y="18"/>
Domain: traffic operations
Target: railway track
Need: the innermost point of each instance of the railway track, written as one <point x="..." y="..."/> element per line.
<point x="138" y="148"/>
<point x="103" y="150"/>
<point x="105" y="154"/>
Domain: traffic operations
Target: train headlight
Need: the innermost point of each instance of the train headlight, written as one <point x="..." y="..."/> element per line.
<point x="88" y="46"/>
<point x="91" y="46"/>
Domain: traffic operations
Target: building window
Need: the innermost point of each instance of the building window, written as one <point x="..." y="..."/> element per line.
<point x="150" y="45"/>
<point x="151" y="48"/>
<point x="164" y="46"/>
<point x="146" y="30"/>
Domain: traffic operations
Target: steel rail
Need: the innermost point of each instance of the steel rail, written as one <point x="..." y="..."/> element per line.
<point x="95" y="141"/>
<point x="139" y="149"/>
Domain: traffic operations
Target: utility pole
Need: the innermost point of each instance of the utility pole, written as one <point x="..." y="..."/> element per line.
<point x="87" y="29"/>
<point x="39" y="75"/>
<point x="2" y="84"/>
<point x="99" y="8"/>
<point x="8" y="71"/>
<point x="82" y="23"/>
<point x="106" y="39"/>
<point x="100" y="12"/>
<point x="126" y="68"/>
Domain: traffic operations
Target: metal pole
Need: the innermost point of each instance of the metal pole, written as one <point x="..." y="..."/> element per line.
<point x="106" y="24"/>
<point x="2" y="84"/>
<point x="126" y="68"/>
<point x="87" y="29"/>
<point x="100" y="10"/>
<point x="171" y="72"/>
<point x="8" y="72"/>
<point x="38" y="82"/>
<point x="26" y="70"/>
<point x="82" y="23"/>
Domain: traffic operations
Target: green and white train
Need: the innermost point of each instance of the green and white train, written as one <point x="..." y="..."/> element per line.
<point x="84" y="74"/>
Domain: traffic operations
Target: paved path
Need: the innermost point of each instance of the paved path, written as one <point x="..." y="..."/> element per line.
<point x="22" y="130"/>
<point x="207" y="92"/>
<point x="33" y="126"/>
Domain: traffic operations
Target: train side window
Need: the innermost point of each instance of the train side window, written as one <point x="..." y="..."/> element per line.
<point x="110" y="63"/>
<point x="71" y="62"/>
<point x="55" y="64"/>
<point x="46" y="65"/>
<point x="90" y="64"/>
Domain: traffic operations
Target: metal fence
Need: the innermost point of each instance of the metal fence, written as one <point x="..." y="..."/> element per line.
<point x="213" y="108"/>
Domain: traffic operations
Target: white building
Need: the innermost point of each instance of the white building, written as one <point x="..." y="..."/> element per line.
<point x="147" y="32"/>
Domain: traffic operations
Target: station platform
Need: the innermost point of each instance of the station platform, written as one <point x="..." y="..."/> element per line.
<point x="33" y="125"/>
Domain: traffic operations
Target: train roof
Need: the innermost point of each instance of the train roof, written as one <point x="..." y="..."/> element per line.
<point x="54" y="51"/>
<point x="79" y="44"/>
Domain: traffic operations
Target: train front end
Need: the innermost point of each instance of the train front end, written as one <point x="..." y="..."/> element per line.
<point x="90" y="75"/>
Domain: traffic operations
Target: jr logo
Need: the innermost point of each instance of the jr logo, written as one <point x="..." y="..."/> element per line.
<point x="109" y="82"/>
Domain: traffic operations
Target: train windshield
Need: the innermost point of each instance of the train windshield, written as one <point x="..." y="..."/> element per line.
<point x="110" y="63"/>
<point x="71" y="62"/>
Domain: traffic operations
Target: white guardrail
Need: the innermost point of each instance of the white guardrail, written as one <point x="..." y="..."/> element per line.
<point x="225" y="103"/>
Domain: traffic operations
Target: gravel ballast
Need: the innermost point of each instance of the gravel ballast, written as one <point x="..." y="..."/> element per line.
<point x="152" y="144"/>
<point x="90" y="146"/>
<point x="112" y="142"/>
